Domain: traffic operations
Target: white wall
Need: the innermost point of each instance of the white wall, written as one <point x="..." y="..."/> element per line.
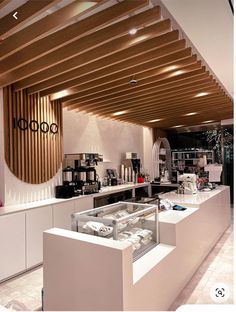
<point x="209" y="24"/>
<point x="89" y="134"/>
<point x="147" y="150"/>
<point x="82" y="133"/>
<point x="2" y="182"/>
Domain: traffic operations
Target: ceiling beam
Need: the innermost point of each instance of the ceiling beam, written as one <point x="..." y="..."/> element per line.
<point x="158" y="114"/>
<point x="168" y="87"/>
<point x="40" y="28"/>
<point x="72" y="33"/>
<point x="164" y="112"/>
<point x="122" y="98"/>
<point x="25" y="13"/>
<point x="115" y="79"/>
<point x="169" y="121"/>
<point x="143" y="52"/>
<point x="176" y="117"/>
<point x="124" y="83"/>
<point x="3" y="3"/>
<point x="144" y="80"/>
<point x="187" y="96"/>
<point x="79" y="61"/>
<point x="165" y="102"/>
<point x="86" y="43"/>
<point x="162" y="95"/>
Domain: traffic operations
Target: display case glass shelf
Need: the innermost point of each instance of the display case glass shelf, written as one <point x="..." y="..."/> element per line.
<point x="134" y="223"/>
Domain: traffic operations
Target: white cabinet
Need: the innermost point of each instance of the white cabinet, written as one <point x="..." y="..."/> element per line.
<point x="62" y="215"/>
<point x="12" y="244"/>
<point x="37" y="221"/>
<point x="84" y="203"/>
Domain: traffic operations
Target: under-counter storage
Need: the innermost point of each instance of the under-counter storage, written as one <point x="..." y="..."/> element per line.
<point x="134" y="223"/>
<point x="12" y="243"/>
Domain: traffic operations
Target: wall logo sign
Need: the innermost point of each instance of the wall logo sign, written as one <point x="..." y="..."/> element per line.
<point x="33" y="125"/>
<point x="33" y="132"/>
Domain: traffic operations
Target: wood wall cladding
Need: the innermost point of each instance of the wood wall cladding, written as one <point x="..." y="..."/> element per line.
<point x="33" y="135"/>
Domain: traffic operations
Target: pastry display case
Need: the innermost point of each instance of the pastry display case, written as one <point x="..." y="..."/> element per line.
<point x="134" y="223"/>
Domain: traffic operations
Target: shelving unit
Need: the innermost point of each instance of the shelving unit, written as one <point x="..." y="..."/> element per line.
<point x="189" y="158"/>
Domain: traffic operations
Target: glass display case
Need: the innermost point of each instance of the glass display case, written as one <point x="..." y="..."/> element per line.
<point x="134" y="223"/>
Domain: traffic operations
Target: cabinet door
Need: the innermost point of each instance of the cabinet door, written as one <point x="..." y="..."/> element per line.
<point x="84" y="203"/>
<point x="62" y="215"/>
<point x="12" y="244"/>
<point x="37" y="221"/>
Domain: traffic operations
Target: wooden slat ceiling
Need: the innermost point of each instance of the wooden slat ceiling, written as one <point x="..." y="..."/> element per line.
<point x="83" y="53"/>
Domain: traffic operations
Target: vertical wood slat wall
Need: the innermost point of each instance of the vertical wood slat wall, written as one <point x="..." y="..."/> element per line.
<point x="32" y="156"/>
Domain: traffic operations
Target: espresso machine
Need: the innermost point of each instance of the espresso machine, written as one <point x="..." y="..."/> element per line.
<point x="188" y="183"/>
<point x="79" y="174"/>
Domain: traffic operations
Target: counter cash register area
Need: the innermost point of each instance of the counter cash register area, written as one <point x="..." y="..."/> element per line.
<point x="91" y="272"/>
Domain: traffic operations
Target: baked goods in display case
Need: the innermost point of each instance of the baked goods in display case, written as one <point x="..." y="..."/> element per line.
<point x="135" y="223"/>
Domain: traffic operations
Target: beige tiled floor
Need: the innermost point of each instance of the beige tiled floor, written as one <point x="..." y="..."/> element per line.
<point x="23" y="291"/>
<point x="217" y="267"/>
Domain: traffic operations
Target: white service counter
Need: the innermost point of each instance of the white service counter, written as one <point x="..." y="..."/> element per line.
<point x="52" y="201"/>
<point x="22" y="226"/>
<point x="83" y="272"/>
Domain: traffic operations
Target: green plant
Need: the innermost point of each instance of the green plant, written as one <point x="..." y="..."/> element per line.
<point x="216" y="137"/>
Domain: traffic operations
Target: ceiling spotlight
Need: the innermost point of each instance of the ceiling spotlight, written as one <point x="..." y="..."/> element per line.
<point x="190" y="114"/>
<point x="178" y="126"/>
<point x="176" y="73"/>
<point x="208" y="121"/>
<point x="133" y="81"/>
<point x="119" y="113"/>
<point x="133" y="31"/>
<point x="169" y="68"/>
<point x="201" y="94"/>
<point x="155" y="120"/>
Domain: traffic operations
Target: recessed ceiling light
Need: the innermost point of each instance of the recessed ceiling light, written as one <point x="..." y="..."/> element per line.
<point x="207" y="121"/>
<point x="119" y="113"/>
<point x="191" y="114"/>
<point x="133" y="31"/>
<point x="176" y="73"/>
<point x="178" y="126"/>
<point x="201" y="94"/>
<point x="154" y="120"/>
<point x="169" y="68"/>
<point x="59" y="95"/>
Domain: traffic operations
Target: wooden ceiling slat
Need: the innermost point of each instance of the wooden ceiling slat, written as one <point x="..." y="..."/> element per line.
<point x="174" y="110"/>
<point x="93" y="71"/>
<point x="141" y="109"/>
<point x="124" y="83"/>
<point x="26" y="12"/>
<point x="33" y="32"/>
<point x="159" y="88"/>
<point x="86" y="43"/>
<point x="122" y="96"/>
<point x="194" y="89"/>
<point x="116" y="78"/>
<point x="74" y="31"/>
<point x="144" y="82"/>
<point x="160" y="104"/>
<point x="177" y="119"/>
<point x="3" y="3"/>
<point x="81" y="69"/>
<point x="199" y="79"/>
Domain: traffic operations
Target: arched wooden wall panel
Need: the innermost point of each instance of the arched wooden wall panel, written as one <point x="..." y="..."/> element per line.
<point x="33" y="135"/>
